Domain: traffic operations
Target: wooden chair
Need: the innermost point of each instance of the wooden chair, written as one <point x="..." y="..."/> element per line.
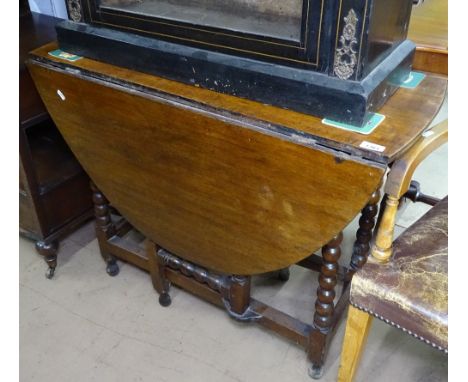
<point x="409" y="291"/>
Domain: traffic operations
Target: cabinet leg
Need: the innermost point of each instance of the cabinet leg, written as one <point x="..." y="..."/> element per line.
<point x="105" y="229"/>
<point x="324" y="306"/>
<point x="49" y="252"/>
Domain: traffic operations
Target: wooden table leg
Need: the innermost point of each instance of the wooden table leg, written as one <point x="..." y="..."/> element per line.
<point x="361" y="246"/>
<point x="105" y="229"/>
<point x="158" y="274"/>
<point x="324" y="306"/>
<point x="357" y="330"/>
<point x="239" y="294"/>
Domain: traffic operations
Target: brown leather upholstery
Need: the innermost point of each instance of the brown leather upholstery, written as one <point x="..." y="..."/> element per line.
<point x="410" y="291"/>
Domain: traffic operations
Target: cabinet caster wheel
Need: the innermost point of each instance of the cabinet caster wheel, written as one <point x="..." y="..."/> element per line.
<point x="50" y="273"/>
<point x="112" y="269"/>
<point x="315" y="372"/>
<point x="165" y="299"/>
<point x="283" y="274"/>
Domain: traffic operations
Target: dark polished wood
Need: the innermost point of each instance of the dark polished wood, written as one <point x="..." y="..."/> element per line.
<point x="105" y="229"/>
<point x="239" y="294"/>
<point x="328" y="69"/>
<point x="324" y="316"/>
<point x="49" y="251"/>
<point x="415" y="195"/>
<point x="158" y="273"/>
<point x="324" y="306"/>
<point x="24" y="7"/>
<point x="379" y="28"/>
<point x="361" y="246"/>
<point x="35" y="30"/>
<point x="54" y="196"/>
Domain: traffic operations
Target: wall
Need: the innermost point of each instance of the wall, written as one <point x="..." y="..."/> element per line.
<point x="55" y="8"/>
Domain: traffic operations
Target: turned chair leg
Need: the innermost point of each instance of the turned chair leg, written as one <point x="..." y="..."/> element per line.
<point x="357" y="330"/>
<point x="324" y="306"/>
<point x="105" y="229"/>
<point x="49" y="252"/>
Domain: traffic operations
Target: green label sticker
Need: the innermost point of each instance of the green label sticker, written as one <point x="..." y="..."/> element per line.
<point x="58" y="53"/>
<point x="413" y="80"/>
<point x="374" y="120"/>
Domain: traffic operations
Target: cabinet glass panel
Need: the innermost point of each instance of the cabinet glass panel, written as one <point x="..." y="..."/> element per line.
<point x="272" y="18"/>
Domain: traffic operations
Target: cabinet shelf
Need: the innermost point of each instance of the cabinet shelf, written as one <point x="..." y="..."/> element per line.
<point x="53" y="161"/>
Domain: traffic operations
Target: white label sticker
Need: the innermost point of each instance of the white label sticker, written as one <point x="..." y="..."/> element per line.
<point x="61" y="95"/>
<point x="372" y="146"/>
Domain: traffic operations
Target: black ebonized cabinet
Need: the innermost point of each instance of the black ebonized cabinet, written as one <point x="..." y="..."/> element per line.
<point x="339" y="59"/>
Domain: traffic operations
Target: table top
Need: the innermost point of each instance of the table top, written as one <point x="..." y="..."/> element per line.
<point x="230" y="184"/>
<point x="429" y="25"/>
<point x="408" y="112"/>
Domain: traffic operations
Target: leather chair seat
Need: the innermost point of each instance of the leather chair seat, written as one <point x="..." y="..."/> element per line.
<point x="411" y="290"/>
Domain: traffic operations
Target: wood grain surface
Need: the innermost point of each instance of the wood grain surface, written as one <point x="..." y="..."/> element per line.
<point x="220" y="190"/>
<point x="357" y="331"/>
<point x="429" y="31"/>
<point x="408" y="113"/>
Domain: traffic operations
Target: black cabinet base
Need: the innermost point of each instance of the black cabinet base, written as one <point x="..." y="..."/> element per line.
<point x="287" y="87"/>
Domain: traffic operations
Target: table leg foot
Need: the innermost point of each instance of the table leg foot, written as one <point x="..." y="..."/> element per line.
<point x="157" y="268"/>
<point x="105" y="229"/>
<point x="112" y="268"/>
<point x="284" y="274"/>
<point x="315" y="371"/>
<point x="165" y="299"/>
<point x="50" y="273"/>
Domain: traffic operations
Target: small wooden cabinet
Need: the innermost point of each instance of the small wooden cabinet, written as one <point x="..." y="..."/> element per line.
<point x="54" y="192"/>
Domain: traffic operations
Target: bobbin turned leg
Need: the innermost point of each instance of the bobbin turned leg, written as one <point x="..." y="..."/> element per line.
<point x="361" y="246"/>
<point x="158" y="275"/>
<point x="105" y="229"/>
<point x="49" y="251"/>
<point x="239" y="294"/>
<point x="324" y="306"/>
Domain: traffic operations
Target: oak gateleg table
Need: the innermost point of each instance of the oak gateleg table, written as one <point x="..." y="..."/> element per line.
<point x="224" y="188"/>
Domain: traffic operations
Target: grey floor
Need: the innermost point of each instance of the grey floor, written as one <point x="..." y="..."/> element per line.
<point x="86" y="326"/>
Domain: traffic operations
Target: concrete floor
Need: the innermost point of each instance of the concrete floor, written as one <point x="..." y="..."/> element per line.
<point x="86" y="326"/>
